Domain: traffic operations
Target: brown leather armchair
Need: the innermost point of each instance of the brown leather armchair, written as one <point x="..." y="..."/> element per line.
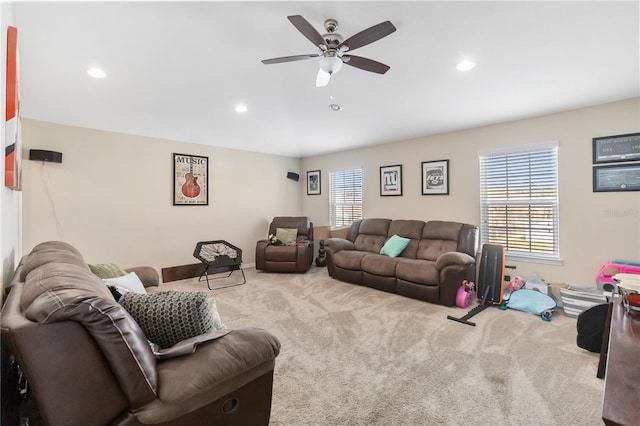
<point x="295" y="258"/>
<point x="88" y="362"/>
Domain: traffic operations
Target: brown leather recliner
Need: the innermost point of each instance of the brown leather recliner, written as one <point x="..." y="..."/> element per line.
<point x="295" y="258"/>
<point x="88" y="362"/>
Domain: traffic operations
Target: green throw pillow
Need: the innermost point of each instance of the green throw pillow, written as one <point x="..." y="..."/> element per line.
<point x="287" y="235"/>
<point x="394" y="246"/>
<point x="107" y="270"/>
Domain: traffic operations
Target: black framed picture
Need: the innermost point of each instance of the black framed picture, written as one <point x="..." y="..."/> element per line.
<point x="618" y="148"/>
<point x="391" y="180"/>
<point x="190" y="180"/>
<point x="313" y="183"/>
<point x="435" y="177"/>
<point x="624" y="177"/>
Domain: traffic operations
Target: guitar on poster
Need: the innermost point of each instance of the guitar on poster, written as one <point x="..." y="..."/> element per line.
<point x="190" y="188"/>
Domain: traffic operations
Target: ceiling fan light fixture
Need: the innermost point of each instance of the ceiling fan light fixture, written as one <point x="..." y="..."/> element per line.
<point x="465" y="65"/>
<point x="330" y="64"/>
<point x="96" y="72"/>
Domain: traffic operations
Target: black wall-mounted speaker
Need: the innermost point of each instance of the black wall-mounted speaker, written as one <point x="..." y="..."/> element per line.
<point x="43" y="155"/>
<point x="293" y="176"/>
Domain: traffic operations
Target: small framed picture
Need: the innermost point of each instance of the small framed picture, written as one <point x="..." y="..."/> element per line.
<point x="313" y="183"/>
<point x="390" y="180"/>
<point x="616" y="178"/>
<point x="435" y="177"/>
<point x="190" y="180"/>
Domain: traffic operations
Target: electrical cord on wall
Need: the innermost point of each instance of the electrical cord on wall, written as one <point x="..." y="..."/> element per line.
<point x="45" y="179"/>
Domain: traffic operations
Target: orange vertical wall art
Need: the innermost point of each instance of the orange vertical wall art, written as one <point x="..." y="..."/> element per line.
<point x="12" y="150"/>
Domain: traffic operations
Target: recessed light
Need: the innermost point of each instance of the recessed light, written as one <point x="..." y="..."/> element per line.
<point x="96" y="72"/>
<point x="335" y="107"/>
<point x="241" y="108"/>
<point x="465" y="65"/>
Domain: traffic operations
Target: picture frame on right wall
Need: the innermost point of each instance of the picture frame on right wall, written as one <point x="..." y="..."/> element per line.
<point x="618" y="148"/>
<point x="435" y="177"/>
<point x="616" y="178"/>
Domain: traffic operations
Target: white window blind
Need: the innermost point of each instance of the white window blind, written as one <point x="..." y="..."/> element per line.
<point x="345" y="197"/>
<point x="519" y="201"/>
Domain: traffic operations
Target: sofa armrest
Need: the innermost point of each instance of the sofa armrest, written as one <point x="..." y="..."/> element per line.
<point x="453" y="258"/>
<point x="148" y="275"/>
<point x="217" y="368"/>
<point x="338" y="244"/>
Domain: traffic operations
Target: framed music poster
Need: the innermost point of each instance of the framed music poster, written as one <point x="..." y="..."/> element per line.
<point x="190" y="180"/>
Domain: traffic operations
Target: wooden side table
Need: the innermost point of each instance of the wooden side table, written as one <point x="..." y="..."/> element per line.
<point x="622" y="375"/>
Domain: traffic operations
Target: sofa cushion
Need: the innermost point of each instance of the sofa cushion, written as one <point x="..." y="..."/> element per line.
<point x="280" y="253"/>
<point x="370" y="243"/>
<point x="438" y="237"/>
<point x="48" y="255"/>
<point x="431" y="249"/>
<point x="350" y="259"/>
<point x="56" y="245"/>
<point x="379" y="264"/>
<point x="372" y="235"/>
<point x="169" y="317"/>
<point x="407" y="228"/>
<point x="417" y="271"/>
<point x="375" y="226"/>
<point x="442" y="230"/>
<point x="394" y="245"/>
<point x="411" y="229"/>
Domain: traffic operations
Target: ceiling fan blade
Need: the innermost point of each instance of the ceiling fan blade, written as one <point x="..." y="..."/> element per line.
<point x="365" y="64"/>
<point x="323" y="78"/>
<point x="307" y="30"/>
<point x="289" y="58"/>
<point x="369" y="35"/>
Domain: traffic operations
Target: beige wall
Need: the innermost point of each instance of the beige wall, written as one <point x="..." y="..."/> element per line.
<point x="594" y="227"/>
<point x="111" y="196"/>
<point x="112" y="193"/>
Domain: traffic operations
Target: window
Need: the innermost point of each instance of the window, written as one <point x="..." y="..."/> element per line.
<point x="519" y="201"/>
<point x="345" y="197"/>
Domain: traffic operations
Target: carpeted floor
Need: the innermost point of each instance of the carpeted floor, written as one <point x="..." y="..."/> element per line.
<point x="352" y="355"/>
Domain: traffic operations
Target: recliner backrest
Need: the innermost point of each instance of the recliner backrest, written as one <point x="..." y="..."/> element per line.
<point x="372" y="234"/>
<point x="438" y="237"/>
<point x="411" y="229"/>
<point x="57" y="291"/>
<point x="303" y="224"/>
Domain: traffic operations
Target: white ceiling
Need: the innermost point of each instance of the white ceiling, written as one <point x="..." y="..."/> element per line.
<point x="176" y="70"/>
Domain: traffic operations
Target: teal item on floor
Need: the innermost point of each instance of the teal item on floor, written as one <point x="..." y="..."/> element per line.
<point x="530" y="301"/>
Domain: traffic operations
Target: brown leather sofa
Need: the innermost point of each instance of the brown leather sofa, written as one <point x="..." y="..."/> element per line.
<point x="88" y="362"/>
<point x="296" y="258"/>
<point x="439" y="256"/>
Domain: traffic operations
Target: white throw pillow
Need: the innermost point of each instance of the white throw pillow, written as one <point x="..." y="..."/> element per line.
<point x="129" y="282"/>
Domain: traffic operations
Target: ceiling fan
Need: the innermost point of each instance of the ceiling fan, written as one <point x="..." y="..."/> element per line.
<point x="333" y="50"/>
